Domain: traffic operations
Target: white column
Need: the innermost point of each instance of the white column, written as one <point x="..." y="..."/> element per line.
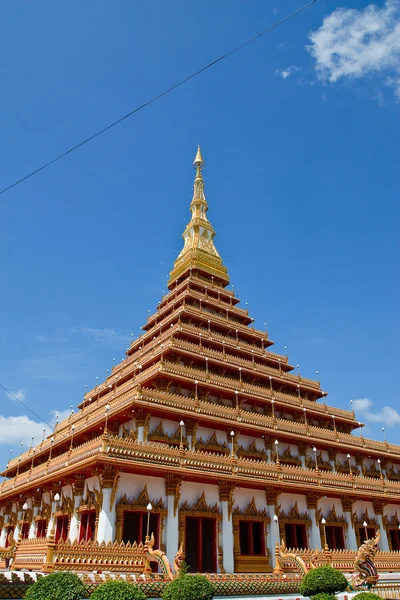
<point x="384" y="542"/>
<point x="74" y="523"/>
<point x="272" y="534"/>
<point x="32" y="528"/>
<point x="16" y="530"/>
<point x="227" y="538"/>
<point x="3" y="534"/>
<point x="50" y="524"/>
<point x="140" y="433"/>
<point x="107" y="517"/>
<point x="172" y="529"/>
<point x="315" y="538"/>
<point x="351" y="534"/>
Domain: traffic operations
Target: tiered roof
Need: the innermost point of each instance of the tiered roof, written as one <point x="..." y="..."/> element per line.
<point x="199" y="358"/>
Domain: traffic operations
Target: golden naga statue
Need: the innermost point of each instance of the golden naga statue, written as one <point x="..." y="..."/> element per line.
<point x="7" y="553"/>
<point x="367" y="574"/>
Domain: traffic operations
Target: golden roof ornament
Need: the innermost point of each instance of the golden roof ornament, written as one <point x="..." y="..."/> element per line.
<point x="199" y="252"/>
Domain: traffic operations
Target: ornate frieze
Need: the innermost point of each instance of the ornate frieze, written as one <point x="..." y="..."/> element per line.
<point x="212" y="445"/>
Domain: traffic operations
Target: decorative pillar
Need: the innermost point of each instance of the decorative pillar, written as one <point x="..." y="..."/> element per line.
<point x="315" y="538"/>
<point x="36" y="502"/>
<point x="347" y="504"/>
<point x="107" y="517"/>
<point x="268" y="448"/>
<point x="226" y="499"/>
<point x="302" y="453"/>
<point x="51" y="523"/>
<point x="191" y="428"/>
<point x="332" y="458"/>
<point x="173" y="493"/>
<point x="77" y="490"/>
<point x="3" y="531"/>
<point x="384" y="542"/>
<point x="142" y="423"/>
<point x="271" y="496"/>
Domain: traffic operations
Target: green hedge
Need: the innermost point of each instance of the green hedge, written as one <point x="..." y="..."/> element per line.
<point x="324" y="596"/>
<point x="323" y="579"/>
<point x="118" y="590"/>
<point x="189" y="587"/>
<point x="57" y="586"/>
<point x="367" y="596"/>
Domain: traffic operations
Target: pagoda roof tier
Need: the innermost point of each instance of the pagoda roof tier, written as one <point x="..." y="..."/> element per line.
<point x="154" y="458"/>
<point x="204" y="299"/>
<point x="246" y="365"/>
<point x="173" y="324"/>
<point x="226" y="323"/>
<point x="216" y="291"/>
<point x="122" y="399"/>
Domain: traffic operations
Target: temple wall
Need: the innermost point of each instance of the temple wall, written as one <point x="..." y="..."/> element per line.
<point x="287" y="501"/>
<point x="191" y="492"/>
<point x="360" y="506"/>
<point x="390" y="510"/>
<point x="243" y="496"/>
<point x="132" y="485"/>
<point x="207" y="432"/>
<point x="325" y="504"/>
<point x="169" y="426"/>
<point x="247" y="440"/>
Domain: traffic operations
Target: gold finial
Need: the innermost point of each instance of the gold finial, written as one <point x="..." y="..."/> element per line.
<point x="198" y="161"/>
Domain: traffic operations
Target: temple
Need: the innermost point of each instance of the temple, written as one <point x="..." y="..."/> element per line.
<point x="202" y="436"/>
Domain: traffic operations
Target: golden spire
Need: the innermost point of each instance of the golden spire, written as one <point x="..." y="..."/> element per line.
<point x="199" y="252"/>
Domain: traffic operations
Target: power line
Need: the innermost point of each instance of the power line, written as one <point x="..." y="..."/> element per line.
<point x="27" y="407"/>
<point x="167" y="91"/>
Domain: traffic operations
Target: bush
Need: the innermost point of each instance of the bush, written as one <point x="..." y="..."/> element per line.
<point x="323" y="579"/>
<point x="189" y="587"/>
<point x="367" y="596"/>
<point x="57" y="586"/>
<point x="118" y="590"/>
<point x="324" y="596"/>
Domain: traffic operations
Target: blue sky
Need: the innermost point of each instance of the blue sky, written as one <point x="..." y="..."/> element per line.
<point x="301" y="150"/>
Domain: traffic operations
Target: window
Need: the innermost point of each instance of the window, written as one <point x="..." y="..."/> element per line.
<point x="201" y="544"/>
<point x="87" y="528"/>
<point x="8" y="530"/>
<point x="370" y="534"/>
<point x="335" y="537"/>
<point x="25" y="531"/>
<point x="252" y="537"/>
<point x="135" y="526"/>
<point x="61" y="528"/>
<point x="41" y="528"/>
<point x="296" y="535"/>
<point x="395" y="539"/>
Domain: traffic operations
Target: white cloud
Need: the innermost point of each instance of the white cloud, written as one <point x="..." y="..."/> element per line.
<point x="284" y="73"/>
<point x="15" y="430"/>
<point x="353" y="43"/>
<point x="19" y="394"/>
<point x="387" y="415"/>
<point x="60" y="414"/>
<point x="103" y="335"/>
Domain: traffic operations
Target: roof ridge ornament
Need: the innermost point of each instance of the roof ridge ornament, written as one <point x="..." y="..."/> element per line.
<point x="199" y="252"/>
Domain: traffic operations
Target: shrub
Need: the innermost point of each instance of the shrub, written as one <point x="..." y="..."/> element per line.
<point x="118" y="590"/>
<point x="323" y="579"/>
<point x="189" y="587"/>
<point x="57" y="586"/>
<point x="367" y="596"/>
<point x="324" y="596"/>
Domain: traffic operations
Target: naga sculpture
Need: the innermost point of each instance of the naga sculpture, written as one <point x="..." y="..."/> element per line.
<point x="367" y="574"/>
<point x="283" y="554"/>
<point x="158" y="556"/>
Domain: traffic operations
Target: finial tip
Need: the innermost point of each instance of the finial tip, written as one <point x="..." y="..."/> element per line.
<point x="198" y="161"/>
